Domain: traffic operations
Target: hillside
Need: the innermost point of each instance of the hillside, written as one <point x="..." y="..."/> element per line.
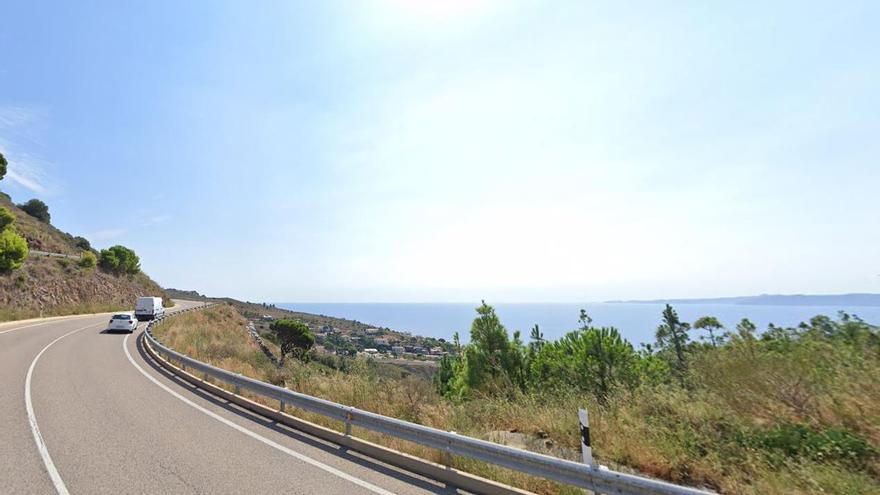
<point x="352" y="331"/>
<point x="58" y="286"/>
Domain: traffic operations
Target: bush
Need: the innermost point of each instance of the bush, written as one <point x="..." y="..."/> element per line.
<point x="7" y="218"/>
<point x="799" y="441"/>
<point x="119" y="260"/>
<point x="88" y="260"/>
<point x="3" y="164"/>
<point x="37" y="209"/>
<point x="13" y="250"/>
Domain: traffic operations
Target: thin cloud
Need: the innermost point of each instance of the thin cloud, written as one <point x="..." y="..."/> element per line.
<point x="25" y="181"/>
<point x="155" y="220"/>
<point x="21" y="127"/>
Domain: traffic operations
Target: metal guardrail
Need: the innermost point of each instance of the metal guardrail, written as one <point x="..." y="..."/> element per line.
<point x="53" y="255"/>
<point x="544" y="466"/>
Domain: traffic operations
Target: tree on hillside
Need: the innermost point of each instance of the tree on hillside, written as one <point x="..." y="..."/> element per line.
<point x="537" y="339"/>
<point x="37" y="209"/>
<point x="13" y="247"/>
<point x="597" y="360"/>
<point x="82" y="243"/>
<point x="294" y="338"/>
<point x="710" y="324"/>
<point x="119" y="260"/>
<point x="492" y="362"/>
<point x="3" y="164"/>
<point x="672" y="333"/>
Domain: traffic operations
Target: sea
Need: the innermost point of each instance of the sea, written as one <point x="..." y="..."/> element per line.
<point x="637" y="322"/>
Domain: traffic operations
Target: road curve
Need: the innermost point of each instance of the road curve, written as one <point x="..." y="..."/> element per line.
<point x="111" y="421"/>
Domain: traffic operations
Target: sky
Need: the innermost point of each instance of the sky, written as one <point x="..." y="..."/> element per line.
<point x="431" y="151"/>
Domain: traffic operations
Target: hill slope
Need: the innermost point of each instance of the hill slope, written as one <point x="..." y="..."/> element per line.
<point x="57" y="286"/>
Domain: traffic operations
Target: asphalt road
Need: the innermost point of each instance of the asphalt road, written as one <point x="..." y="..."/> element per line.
<point x="96" y="415"/>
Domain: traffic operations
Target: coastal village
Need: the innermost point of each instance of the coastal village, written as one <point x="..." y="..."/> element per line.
<point x="340" y="336"/>
<point x="361" y="340"/>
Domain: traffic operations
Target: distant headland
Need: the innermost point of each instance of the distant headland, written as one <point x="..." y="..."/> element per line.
<point x="840" y="300"/>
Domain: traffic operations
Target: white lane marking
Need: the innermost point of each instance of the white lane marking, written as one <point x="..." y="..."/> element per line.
<point x="41" y="323"/>
<point x="32" y="418"/>
<point x="302" y="457"/>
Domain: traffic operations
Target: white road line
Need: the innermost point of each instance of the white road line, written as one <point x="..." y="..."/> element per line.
<point x="32" y="418"/>
<point x="302" y="457"/>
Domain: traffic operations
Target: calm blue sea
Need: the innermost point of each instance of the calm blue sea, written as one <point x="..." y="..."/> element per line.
<point x="637" y="322"/>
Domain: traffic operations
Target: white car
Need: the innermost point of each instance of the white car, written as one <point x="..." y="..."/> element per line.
<point x="123" y="322"/>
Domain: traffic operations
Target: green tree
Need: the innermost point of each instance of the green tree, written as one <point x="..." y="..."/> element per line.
<point x="597" y="360"/>
<point x="672" y="333"/>
<point x="3" y="164"/>
<point x="88" y="260"/>
<point x="294" y="338"/>
<point x="119" y="260"/>
<point x="13" y="250"/>
<point x="536" y="338"/>
<point x="444" y="375"/>
<point x="82" y="243"/>
<point x="491" y="362"/>
<point x="37" y="209"/>
<point x="710" y="324"/>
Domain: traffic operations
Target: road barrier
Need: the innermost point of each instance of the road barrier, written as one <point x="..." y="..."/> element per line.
<point x="53" y="255"/>
<point x="563" y="471"/>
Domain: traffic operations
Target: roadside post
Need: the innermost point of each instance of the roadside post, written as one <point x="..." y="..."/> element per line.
<point x="586" y="450"/>
<point x="586" y="446"/>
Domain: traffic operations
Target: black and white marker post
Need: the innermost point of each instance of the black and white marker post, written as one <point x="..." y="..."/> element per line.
<point x="586" y="450"/>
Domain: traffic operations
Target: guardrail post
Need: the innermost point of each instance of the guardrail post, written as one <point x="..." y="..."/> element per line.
<point x="447" y="453"/>
<point x="348" y="418"/>
<point x="281" y="406"/>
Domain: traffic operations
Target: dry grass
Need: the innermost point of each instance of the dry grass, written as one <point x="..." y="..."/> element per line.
<point x="697" y="437"/>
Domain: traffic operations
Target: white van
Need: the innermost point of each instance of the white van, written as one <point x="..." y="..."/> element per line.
<point x="148" y="308"/>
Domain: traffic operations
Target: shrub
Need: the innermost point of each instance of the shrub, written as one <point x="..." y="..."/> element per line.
<point x="799" y="441"/>
<point x="119" y="260"/>
<point x="3" y="164"/>
<point x="13" y="250"/>
<point x="88" y="260"/>
<point x="7" y="218"/>
<point x="37" y="209"/>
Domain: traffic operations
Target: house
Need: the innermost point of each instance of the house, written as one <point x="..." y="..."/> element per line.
<point x="372" y="331"/>
<point x="371" y="351"/>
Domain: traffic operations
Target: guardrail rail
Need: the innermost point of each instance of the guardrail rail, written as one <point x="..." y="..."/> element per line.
<point x="563" y="471"/>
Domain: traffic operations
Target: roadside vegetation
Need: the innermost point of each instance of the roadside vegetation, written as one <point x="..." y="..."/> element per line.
<point x="786" y="410"/>
<point x="32" y="285"/>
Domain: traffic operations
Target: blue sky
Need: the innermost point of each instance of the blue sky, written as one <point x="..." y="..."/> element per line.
<point x="400" y="150"/>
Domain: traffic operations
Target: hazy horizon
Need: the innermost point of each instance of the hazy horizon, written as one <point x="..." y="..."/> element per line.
<point x="456" y="151"/>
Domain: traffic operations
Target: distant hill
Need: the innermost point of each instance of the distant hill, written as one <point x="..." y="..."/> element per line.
<point x="58" y="286"/>
<point x="838" y="300"/>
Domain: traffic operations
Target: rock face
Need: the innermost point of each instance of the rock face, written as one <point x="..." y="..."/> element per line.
<point x="58" y="286"/>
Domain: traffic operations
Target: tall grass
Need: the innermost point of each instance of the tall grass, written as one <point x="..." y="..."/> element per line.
<point x="802" y="420"/>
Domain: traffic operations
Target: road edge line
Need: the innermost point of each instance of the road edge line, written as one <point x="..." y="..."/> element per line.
<point x="54" y="475"/>
<point x="256" y="436"/>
